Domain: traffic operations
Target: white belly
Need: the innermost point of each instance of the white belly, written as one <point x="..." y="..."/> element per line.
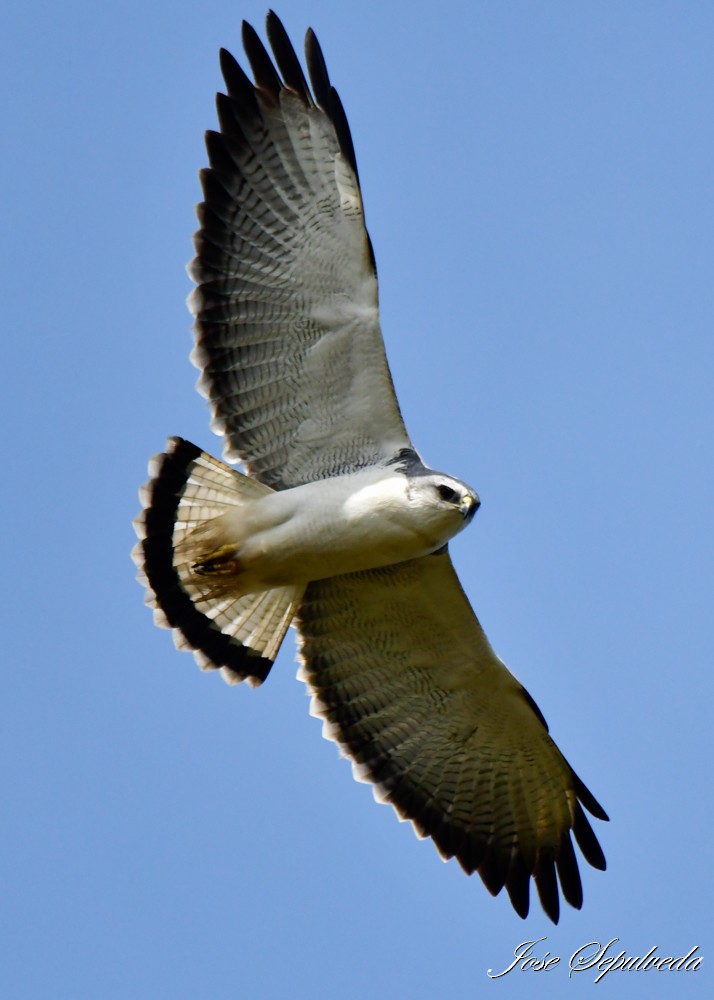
<point x="331" y="527"/>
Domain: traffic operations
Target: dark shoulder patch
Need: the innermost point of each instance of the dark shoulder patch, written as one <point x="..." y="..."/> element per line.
<point x="407" y="461"/>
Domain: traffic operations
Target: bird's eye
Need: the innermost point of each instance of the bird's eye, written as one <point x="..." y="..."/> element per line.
<point x="446" y="493"/>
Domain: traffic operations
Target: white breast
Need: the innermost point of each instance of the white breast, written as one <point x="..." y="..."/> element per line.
<point x="331" y="527"/>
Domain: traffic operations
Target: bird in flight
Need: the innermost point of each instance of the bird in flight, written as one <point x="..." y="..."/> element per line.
<point x="337" y="526"/>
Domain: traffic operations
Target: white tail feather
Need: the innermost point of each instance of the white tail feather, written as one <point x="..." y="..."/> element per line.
<point x="235" y="632"/>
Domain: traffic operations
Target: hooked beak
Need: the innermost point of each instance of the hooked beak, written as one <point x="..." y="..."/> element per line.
<point x="468" y="506"/>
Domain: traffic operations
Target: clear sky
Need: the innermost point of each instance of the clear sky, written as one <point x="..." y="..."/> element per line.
<point x="538" y="182"/>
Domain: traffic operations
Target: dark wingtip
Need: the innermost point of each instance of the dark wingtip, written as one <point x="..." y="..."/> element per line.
<point x="238" y="84"/>
<point x="336" y="112"/>
<point x="568" y="873"/>
<point x="588" y="800"/>
<point x="587" y="841"/>
<point x="317" y="68"/>
<point x="266" y="76"/>
<point x="268" y="82"/>
<point x="494" y="869"/>
<point x="287" y="60"/>
<point x="518" y="886"/>
<point x="547" y="886"/>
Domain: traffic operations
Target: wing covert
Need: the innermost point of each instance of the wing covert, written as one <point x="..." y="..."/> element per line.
<point x="286" y="305"/>
<point x="409" y="686"/>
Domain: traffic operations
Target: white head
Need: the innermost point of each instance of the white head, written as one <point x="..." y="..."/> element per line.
<point x="445" y="504"/>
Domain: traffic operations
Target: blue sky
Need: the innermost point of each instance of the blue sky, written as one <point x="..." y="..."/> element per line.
<point x="538" y="182"/>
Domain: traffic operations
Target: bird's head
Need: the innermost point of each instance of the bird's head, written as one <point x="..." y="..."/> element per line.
<point x="444" y="501"/>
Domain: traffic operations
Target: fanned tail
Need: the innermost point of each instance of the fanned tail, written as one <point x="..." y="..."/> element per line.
<point x="240" y="634"/>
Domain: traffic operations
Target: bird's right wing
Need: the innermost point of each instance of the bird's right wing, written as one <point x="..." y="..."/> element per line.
<point x="287" y="319"/>
<point x="409" y="686"/>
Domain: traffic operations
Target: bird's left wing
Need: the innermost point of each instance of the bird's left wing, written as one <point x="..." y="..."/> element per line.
<point x="409" y="686"/>
<point x="287" y="318"/>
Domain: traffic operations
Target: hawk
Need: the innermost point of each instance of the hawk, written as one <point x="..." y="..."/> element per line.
<point x="337" y="526"/>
